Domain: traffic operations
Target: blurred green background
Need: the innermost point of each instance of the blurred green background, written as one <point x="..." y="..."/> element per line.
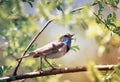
<point x="97" y="36"/>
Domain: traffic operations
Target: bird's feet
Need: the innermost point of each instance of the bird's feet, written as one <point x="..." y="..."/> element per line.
<point x="40" y="70"/>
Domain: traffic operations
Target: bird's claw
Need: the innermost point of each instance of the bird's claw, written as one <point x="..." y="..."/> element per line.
<point x="40" y="71"/>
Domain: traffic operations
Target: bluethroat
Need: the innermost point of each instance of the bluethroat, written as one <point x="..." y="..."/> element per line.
<point x="54" y="49"/>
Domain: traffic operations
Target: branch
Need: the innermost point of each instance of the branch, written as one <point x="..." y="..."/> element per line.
<point x="56" y="71"/>
<point x="101" y="20"/>
<point x="76" y="9"/>
<point x="80" y="8"/>
<point x="30" y="44"/>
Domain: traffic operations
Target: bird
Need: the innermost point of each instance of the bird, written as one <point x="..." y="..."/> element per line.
<point x="53" y="50"/>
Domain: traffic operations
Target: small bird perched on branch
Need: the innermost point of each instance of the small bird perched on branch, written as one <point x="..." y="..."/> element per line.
<point x="53" y="50"/>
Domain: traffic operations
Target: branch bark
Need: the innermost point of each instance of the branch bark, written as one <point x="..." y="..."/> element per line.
<point x="54" y="72"/>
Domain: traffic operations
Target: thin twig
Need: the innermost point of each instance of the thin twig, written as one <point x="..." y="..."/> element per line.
<point x="80" y="8"/>
<point x="30" y="44"/>
<point x="62" y="10"/>
<point x="77" y="9"/>
<point x="56" y="71"/>
<point x="101" y="20"/>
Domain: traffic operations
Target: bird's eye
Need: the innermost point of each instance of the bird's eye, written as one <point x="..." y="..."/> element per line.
<point x="65" y="35"/>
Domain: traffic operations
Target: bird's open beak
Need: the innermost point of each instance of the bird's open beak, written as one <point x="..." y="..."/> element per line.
<point x="70" y="36"/>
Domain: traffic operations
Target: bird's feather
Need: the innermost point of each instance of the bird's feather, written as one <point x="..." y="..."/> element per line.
<point x="51" y="50"/>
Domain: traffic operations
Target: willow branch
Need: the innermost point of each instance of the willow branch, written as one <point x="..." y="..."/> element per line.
<point x="56" y="71"/>
<point x="30" y="44"/>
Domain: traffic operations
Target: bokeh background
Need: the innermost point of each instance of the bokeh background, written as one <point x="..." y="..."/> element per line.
<point x="21" y="20"/>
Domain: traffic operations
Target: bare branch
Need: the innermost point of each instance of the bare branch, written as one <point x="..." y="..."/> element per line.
<point x="30" y="44"/>
<point x="56" y="71"/>
<point x="76" y="9"/>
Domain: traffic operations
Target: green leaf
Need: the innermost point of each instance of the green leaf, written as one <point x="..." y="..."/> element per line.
<point x="111" y="17"/>
<point x="1" y="1"/>
<point x="100" y="7"/>
<point x="4" y="69"/>
<point x="117" y="74"/>
<point x="24" y="0"/>
<point x="30" y="3"/>
<point x="117" y="30"/>
<point x="98" y="20"/>
<point x="1" y="70"/>
<point x="112" y="24"/>
<point x="75" y="47"/>
<point x="114" y="3"/>
<point x="58" y="7"/>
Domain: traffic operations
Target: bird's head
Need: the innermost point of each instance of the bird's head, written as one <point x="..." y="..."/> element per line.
<point x="66" y="38"/>
<point x="69" y="36"/>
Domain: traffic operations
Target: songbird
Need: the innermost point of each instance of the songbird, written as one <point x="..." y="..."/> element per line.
<point x="54" y="49"/>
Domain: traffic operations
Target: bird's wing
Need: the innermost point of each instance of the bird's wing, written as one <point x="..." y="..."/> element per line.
<point x="51" y="48"/>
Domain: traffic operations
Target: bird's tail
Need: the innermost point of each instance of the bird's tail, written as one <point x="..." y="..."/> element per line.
<point x="23" y="57"/>
<point x="30" y="54"/>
